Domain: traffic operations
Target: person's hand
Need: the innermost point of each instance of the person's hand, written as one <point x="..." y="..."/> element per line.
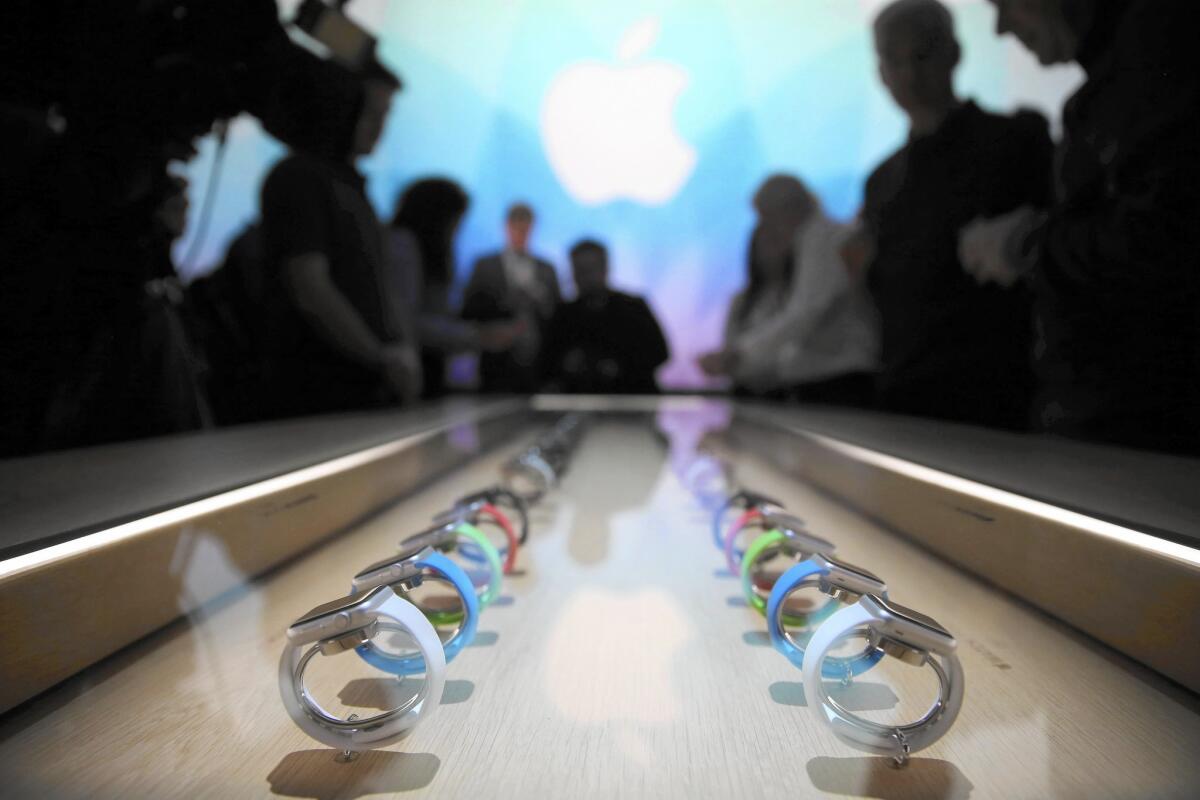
<point x="717" y="363"/>
<point x="401" y="366"/>
<point x="574" y="362"/>
<point x="985" y="246"/>
<point x="856" y="252"/>
<point x="496" y="337"/>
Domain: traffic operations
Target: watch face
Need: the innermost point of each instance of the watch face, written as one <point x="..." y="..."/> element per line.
<point x="849" y="570"/>
<point x="778" y="518"/>
<point x="451" y="516"/>
<point x="921" y="630"/>
<point x="409" y="553"/>
<point x="485" y="496"/>
<point x="750" y="499"/>
<point x="430" y="537"/>
<point x="341" y="605"/>
<point x="807" y="543"/>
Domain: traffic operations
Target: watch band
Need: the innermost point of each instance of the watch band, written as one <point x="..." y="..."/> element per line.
<point x="489" y="592"/>
<point x="733" y="556"/>
<point x="508" y="552"/>
<point x="897" y="741"/>
<point x="381" y="729"/>
<point x="808" y="573"/>
<point x="756" y="600"/>
<point x="467" y="619"/>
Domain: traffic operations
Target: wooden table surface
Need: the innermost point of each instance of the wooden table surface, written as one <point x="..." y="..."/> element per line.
<point x="621" y="663"/>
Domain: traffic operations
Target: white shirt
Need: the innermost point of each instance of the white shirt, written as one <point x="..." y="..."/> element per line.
<point x="521" y="272"/>
<point x="827" y="325"/>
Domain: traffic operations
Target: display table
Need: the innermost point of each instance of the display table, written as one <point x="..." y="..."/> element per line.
<point x="621" y="660"/>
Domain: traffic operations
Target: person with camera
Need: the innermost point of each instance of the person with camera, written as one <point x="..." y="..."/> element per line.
<point x="332" y="348"/>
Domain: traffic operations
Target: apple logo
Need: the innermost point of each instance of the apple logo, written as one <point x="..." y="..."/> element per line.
<point x="608" y="129"/>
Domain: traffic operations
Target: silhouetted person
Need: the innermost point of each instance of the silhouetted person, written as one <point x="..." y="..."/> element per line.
<point x="1114" y="263"/>
<point x="420" y="273"/>
<point x="950" y="348"/>
<point x="802" y="327"/>
<point x="514" y="285"/>
<point x="226" y="308"/>
<point x="603" y="341"/>
<point x="139" y="373"/>
<point x="331" y="347"/>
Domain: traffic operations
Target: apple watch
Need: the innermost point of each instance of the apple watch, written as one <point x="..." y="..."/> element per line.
<point x="504" y="499"/>
<point x="404" y="572"/>
<point x="449" y="539"/>
<point x="743" y="499"/>
<point x="349" y="623"/>
<point x="844" y="584"/>
<point x="794" y="542"/>
<point x="760" y="518"/>
<point x="472" y="514"/>
<point x="901" y="633"/>
<point x="529" y="476"/>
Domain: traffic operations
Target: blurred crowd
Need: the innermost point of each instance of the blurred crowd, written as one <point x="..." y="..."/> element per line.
<point x="993" y="276"/>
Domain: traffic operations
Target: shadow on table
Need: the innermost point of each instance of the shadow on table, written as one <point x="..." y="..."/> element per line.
<point x="858" y="696"/>
<point x="484" y="639"/>
<point x="385" y="693"/>
<point x="875" y="777"/>
<point x="317" y="774"/>
<point x="757" y="638"/>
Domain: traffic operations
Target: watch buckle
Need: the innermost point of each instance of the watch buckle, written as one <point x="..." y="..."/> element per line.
<point x="905" y="652"/>
<point x="349" y="640"/>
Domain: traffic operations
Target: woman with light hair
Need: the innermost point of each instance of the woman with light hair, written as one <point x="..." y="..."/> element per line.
<point x="802" y="328"/>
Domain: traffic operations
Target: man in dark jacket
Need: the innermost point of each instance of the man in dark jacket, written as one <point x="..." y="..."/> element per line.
<point x="1113" y="264"/>
<point x="603" y="341"/>
<point x="513" y="285"/>
<point x="951" y="348"/>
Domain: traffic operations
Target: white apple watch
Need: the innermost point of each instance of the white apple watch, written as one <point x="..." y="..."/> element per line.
<point x="345" y="624"/>
<point x="902" y="633"/>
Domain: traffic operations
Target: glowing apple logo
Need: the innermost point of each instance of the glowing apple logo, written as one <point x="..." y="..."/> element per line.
<point x="609" y="129"/>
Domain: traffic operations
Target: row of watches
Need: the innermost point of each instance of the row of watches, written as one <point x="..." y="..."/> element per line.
<point x="752" y="530"/>
<point x="457" y="550"/>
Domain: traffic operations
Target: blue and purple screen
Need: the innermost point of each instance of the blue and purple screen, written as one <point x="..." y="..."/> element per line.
<point x="645" y="124"/>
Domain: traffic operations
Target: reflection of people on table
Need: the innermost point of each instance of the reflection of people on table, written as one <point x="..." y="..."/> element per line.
<point x="603" y="341"/>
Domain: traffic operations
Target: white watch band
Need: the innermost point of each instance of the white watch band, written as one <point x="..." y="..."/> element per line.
<point x="897" y="741"/>
<point x="381" y="729"/>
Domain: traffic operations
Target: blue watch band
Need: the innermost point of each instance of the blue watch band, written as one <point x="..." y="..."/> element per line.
<point x="414" y="664"/>
<point x="833" y="667"/>
<point x="718" y="526"/>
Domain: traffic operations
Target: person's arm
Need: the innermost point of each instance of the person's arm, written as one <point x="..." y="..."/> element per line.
<point x="653" y="350"/>
<point x="757" y="346"/>
<point x="1141" y="233"/>
<point x="318" y="298"/>
<point x="557" y="343"/>
<point x="552" y="283"/>
<point x="480" y="301"/>
<point x="824" y="280"/>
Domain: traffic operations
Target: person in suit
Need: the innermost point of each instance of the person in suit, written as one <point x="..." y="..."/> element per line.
<point x="517" y="286"/>
<point x="951" y="348"/>
<point x="604" y="341"/>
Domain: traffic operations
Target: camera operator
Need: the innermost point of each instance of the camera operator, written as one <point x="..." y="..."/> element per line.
<point x="331" y="349"/>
